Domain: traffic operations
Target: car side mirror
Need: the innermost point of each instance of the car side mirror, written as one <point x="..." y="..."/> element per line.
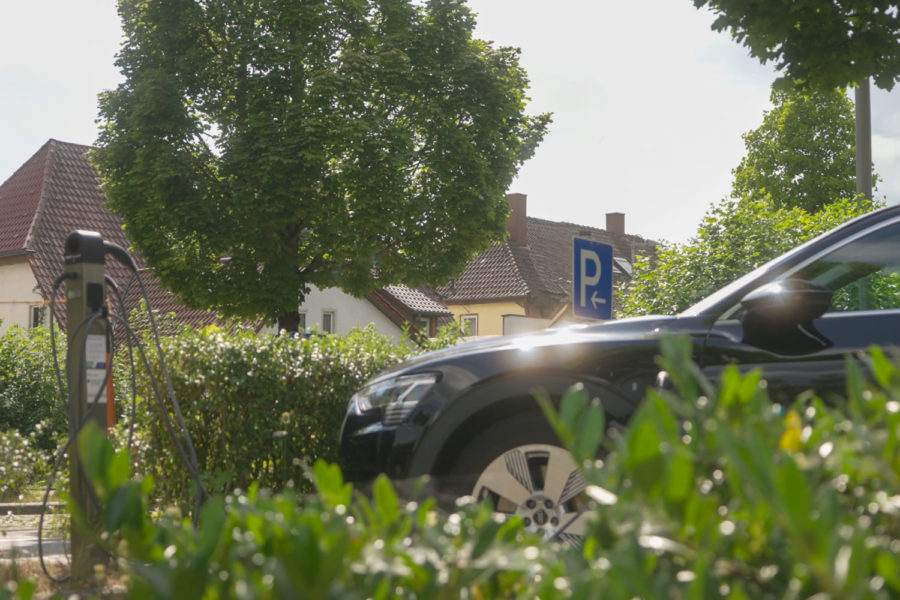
<point x="778" y="317"/>
<point x="787" y="302"/>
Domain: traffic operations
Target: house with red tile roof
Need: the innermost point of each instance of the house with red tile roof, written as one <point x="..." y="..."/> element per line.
<point x="57" y="191"/>
<point x="525" y="282"/>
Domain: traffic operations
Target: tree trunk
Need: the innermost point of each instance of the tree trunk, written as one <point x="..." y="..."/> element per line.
<point x="289" y="322"/>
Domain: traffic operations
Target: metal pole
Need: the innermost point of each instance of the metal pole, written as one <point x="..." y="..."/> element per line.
<point x="863" y="140"/>
<point x="86" y="324"/>
<point x="863" y="161"/>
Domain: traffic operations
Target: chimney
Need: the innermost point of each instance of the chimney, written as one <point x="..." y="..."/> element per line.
<point x="516" y="224"/>
<point x="615" y="223"/>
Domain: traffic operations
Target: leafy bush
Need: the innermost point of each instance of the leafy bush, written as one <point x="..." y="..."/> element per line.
<point x="712" y="491"/>
<point x="21" y="465"/>
<point x="29" y="391"/>
<point x="257" y="406"/>
<point x="720" y="493"/>
<point x="735" y="237"/>
<point x="259" y="545"/>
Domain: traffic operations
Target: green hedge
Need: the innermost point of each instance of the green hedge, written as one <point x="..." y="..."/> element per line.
<point x="711" y="492"/>
<point x="29" y="391"/>
<point x="258" y="407"/>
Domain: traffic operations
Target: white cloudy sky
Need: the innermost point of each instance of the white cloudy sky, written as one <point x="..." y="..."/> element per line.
<point x="649" y="105"/>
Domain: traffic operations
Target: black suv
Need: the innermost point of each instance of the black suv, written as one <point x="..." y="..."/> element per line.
<point x="467" y="417"/>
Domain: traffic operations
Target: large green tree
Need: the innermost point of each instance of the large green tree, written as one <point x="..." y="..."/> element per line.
<point x="260" y="146"/>
<point x="735" y="237"/>
<point x="824" y="44"/>
<point x="803" y="154"/>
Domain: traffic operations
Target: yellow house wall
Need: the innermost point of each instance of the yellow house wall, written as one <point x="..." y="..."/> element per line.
<point x="490" y="315"/>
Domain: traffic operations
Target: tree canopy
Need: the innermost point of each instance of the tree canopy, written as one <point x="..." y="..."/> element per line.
<point x="735" y="237"/>
<point x="258" y="147"/>
<point x="796" y="180"/>
<point x="803" y="154"/>
<point x="815" y="43"/>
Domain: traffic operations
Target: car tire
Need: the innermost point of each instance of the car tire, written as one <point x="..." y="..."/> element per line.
<point x="520" y="467"/>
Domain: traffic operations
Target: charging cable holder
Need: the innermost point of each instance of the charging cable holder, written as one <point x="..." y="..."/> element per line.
<point x="87" y="375"/>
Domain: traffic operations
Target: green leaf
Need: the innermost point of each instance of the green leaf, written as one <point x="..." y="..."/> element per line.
<point x="679" y="476"/>
<point x="211" y="530"/>
<point x="645" y="459"/>
<point x="387" y="504"/>
<point x="590" y="434"/>
<point x="884" y="370"/>
<point x="794" y="493"/>
<point x="887" y="565"/>
<point x="330" y="482"/>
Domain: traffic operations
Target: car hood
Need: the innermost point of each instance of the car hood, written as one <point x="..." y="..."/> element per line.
<point x="620" y="329"/>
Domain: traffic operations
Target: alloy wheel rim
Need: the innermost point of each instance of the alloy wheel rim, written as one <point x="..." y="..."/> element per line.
<point x="541" y="484"/>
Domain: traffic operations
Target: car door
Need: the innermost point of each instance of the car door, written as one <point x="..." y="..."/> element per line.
<point x="863" y="272"/>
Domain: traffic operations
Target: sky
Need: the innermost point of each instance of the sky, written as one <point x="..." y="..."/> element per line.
<point x="649" y="104"/>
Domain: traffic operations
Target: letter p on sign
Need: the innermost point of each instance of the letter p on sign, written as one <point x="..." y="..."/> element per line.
<point x="589" y="257"/>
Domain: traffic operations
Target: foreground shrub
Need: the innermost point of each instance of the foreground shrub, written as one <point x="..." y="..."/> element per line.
<point x="259" y="545"/>
<point x="720" y="493"/>
<point x="29" y="391"/>
<point x="710" y="492"/>
<point x="257" y="406"/>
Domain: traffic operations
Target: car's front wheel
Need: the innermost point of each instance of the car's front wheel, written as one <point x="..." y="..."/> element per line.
<point x="519" y="468"/>
<point x="542" y="484"/>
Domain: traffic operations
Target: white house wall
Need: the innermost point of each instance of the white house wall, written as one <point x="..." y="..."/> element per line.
<point x="349" y="312"/>
<point x="17" y="294"/>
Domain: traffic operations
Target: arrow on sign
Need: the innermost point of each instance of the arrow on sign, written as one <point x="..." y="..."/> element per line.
<point x="595" y="300"/>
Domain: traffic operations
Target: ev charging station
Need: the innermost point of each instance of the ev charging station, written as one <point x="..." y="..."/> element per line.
<point x="86" y="366"/>
<point x="88" y="372"/>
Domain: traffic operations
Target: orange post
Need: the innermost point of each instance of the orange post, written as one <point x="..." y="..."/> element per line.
<point x="110" y="397"/>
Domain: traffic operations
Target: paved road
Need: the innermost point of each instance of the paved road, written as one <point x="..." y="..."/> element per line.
<point x="23" y="543"/>
<point x="19" y="537"/>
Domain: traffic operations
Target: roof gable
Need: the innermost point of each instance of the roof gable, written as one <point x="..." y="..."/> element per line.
<point x="493" y="274"/>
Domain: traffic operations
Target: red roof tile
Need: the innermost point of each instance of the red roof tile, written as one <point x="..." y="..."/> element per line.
<point x="417" y="301"/>
<point x="20" y="196"/>
<point x="542" y="269"/>
<point x="492" y="275"/>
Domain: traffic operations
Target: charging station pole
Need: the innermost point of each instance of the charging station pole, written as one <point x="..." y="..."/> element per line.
<point x="86" y="373"/>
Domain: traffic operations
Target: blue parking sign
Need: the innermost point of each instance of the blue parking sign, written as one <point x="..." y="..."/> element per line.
<point x="593" y="279"/>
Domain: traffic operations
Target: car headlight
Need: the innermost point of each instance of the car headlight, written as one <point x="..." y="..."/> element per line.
<point x="397" y="396"/>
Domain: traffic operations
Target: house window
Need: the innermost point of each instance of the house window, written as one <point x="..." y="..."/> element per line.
<point x="328" y="321"/>
<point x="301" y="323"/>
<point x="469" y="325"/>
<point x="37" y="316"/>
<point x="422" y="326"/>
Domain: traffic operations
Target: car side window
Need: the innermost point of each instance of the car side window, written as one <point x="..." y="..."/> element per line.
<point x="864" y="273"/>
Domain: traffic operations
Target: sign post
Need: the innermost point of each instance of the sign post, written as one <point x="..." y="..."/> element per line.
<point x="593" y="279"/>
